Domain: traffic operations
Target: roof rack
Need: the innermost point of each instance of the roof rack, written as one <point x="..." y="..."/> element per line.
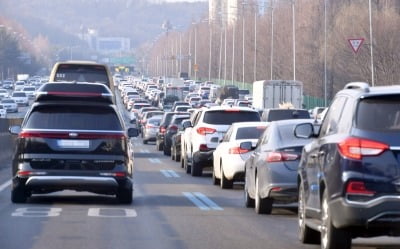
<point x="357" y="85"/>
<point x="74" y="91"/>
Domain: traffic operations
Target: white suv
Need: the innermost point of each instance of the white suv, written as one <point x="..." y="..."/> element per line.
<point x="208" y="126"/>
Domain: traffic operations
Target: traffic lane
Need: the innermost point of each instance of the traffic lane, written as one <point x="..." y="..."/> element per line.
<point x="278" y="230"/>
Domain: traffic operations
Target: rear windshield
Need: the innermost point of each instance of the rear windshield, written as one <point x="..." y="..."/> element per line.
<point x="82" y="73"/>
<point x="250" y="132"/>
<point x="74" y="118"/>
<point x="281" y="114"/>
<point x="19" y="94"/>
<point x="379" y="114"/>
<point x="229" y="117"/>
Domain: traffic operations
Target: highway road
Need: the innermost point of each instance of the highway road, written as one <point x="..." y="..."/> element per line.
<point x="171" y="210"/>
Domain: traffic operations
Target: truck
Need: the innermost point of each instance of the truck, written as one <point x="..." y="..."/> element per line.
<point x="172" y="94"/>
<point x="275" y="93"/>
<point x="227" y="92"/>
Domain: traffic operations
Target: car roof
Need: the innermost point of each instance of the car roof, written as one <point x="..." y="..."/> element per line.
<point x="249" y="124"/>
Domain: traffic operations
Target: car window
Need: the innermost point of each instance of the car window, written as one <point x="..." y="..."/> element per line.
<point x="73" y="118"/>
<point x="228" y="135"/>
<point x="228" y="117"/>
<point x="281" y="114"/>
<point x="19" y="94"/>
<point x="330" y="123"/>
<point x="250" y="132"/>
<point x="82" y="73"/>
<point x="381" y="114"/>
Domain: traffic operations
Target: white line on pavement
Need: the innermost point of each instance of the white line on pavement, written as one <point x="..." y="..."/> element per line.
<point x="206" y="200"/>
<point x="169" y="173"/>
<point x="195" y="201"/>
<point x="154" y="160"/>
<point x="5" y="185"/>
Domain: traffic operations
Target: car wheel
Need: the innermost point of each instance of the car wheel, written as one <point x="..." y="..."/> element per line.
<point x="159" y="146"/>
<point x="262" y="205"/>
<point x="248" y="201"/>
<point x="331" y="237"/>
<point x="182" y="163"/>
<point x="215" y="180"/>
<point x="196" y="170"/>
<point x="186" y="166"/>
<point x="124" y="195"/>
<point x="224" y="182"/>
<point x="177" y="156"/>
<point x="306" y="235"/>
<point x="173" y="155"/>
<point x="145" y="141"/>
<point x="166" y="150"/>
<point x="19" y="194"/>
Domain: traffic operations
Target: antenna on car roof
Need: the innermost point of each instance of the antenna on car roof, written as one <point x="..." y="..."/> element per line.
<point x="357" y="85"/>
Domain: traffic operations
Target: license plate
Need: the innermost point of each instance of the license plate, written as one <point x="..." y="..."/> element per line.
<point x="74" y="144"/>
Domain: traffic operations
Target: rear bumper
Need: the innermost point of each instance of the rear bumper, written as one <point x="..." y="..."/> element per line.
<point x="380" y="212"/>
<point x="203" y="158"/>
<point x="70" y="182"/>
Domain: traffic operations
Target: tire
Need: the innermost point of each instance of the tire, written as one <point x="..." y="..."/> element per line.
<point x="305" y="234"/>
<point x="159" y="146"/>
<point x="19" y="194"/>
<point x="215" y="180"/>
<point x="332" y="237"/>
<point x="173" y="155"/>
<point x="124" y="195"/>
<point x="196" y="169"/>
<point x="186" y="166"/>
<point x="248" y="201"/>
<point x="262" y="205"/>
<point x="166" y="151"/>
<point x="177" y="157"/>
<point x="224" y="182"/>
<point x="182" y="163"/>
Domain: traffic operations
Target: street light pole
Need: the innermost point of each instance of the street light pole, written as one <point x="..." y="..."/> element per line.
<point x="272" y="37"/>
<point x="243" y="17"/>
<point x="233" y="51"/>
<point x="325" y="51"/>
<point x="255" y="44"/>
<point x="195" y="52"/>
<point x="371" y="45"/>
<point x="294" y="39"/>
<point x="209" y="56"/>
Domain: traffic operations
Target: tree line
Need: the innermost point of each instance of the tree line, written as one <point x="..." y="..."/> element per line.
<point x="324" y="58"/>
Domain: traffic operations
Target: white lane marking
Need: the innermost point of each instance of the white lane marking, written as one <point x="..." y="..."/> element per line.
<point x="154" y="160"/>
<point x="5" y="185"/>
<point x="169" y="173"/>
<point x="206" y="200"/>
<point x="37" y="212"/>
<point x="107" y="212"/>
<point x="144" y="151"/>
<point x="195" y="201"/>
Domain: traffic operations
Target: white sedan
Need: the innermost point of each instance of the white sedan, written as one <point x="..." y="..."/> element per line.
<point x="229" y="158"/>
<point x="21" y="98"/>
<point x="3" y="112"/>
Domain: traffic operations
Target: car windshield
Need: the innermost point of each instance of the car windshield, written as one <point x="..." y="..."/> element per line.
<point x="19" y="94"/>
<point x="228" y="117"/>
<point x="82" y="73"/>
<point x="73" y="118"/>
<point x="7" y="101"/>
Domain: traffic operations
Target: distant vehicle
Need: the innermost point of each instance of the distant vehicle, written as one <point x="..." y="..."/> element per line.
<point x="8" y="84"/>
<point x="9" y="105"/>
<point x="275" y="114"/>
<point x="3" y="112"/>
<point x="227" y="92"/>
<point x="4" y="93"/>
<point x="150" y="128"/>
<point x="82" y="71"/>
<point x="30" y="91"/>
<point x="183" y="75"/>
<point x="272" y="93"/>
<point x="19" y="85"/>
<point x="243" y="93"/>
<point x="21" y="98"/>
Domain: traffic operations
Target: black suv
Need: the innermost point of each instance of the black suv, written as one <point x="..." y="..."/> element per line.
<point x="349" y="176"/>
<point x="72" y="138"/>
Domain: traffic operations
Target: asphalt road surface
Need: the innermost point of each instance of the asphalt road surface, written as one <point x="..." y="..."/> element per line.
<point x="171" y="210"/>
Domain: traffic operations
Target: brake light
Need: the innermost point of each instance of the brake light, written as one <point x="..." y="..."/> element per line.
<point x="162" y="129"/>
<point x="356" y="148"/>
<point x="203" y="147"/>
<point x="24" y="173"/>
<point x="173" y="128"/>
<point x="72" y="135"/>
<point x="237" y="150"/>
<point x="358" y="188"/>
<point x="281" y="157"/>
<point x="148" y="126"/>
<point x="205" y="130"/>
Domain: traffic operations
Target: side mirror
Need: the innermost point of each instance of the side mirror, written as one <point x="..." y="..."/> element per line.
<point x="305" y="130"/>
<point x="133" y="132"/>
<point x="15" y="129"/>
<point x="186" y="124"/>
<point x="246" y="146"/>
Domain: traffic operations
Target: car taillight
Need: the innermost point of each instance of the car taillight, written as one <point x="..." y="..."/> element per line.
<point x="358" y="188"/>
<point x="149" y="126"/>
<point x="277" y="156"/>
<point x="162" y="129"/>
<point x="203" y="147"/>
<point x="173" y="128"/>
<point x="205" y="130"/>
<point x="237" y="150"/>
<point x="356" y="148"/>
<point x="71" y="135"/>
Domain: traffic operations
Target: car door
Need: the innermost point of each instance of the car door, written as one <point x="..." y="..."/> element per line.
<point x="221" y="149"/>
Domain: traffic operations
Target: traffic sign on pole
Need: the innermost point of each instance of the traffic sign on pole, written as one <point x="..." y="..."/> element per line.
<point x="356" y="43"/>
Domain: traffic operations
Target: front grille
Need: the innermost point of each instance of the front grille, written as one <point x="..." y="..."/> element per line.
<point x="52" y="164"/>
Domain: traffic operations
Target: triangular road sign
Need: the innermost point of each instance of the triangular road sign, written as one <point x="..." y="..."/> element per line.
<point x="356" y="43"/>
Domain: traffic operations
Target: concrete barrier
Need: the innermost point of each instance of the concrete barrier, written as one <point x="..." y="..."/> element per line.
<point x="7" y="141"/>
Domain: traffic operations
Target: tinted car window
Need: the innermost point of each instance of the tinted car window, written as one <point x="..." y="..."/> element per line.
<point x="229" y="117"/>
<point x="282" y="114"/>
<point x="379" y="114"/>
<point x="250" y="132"/>
<point x="82" y="73"/>
<point x="19" y="94"/>
<point x="73" y="118"/>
